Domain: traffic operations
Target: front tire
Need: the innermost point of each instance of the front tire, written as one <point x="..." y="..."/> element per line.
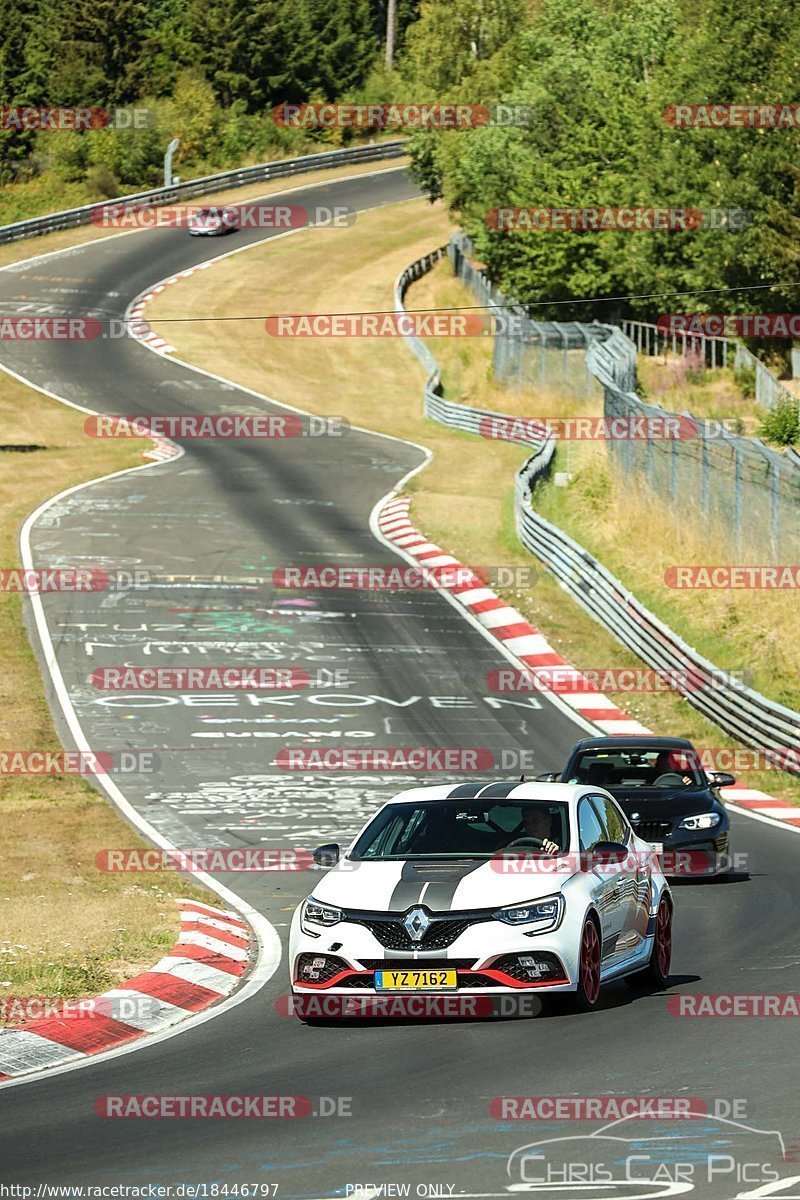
<point x="656" y="973"/>
<point x="588" y="992"/>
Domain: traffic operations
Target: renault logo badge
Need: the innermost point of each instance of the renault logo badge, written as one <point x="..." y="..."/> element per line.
<point x="416" y="923"/>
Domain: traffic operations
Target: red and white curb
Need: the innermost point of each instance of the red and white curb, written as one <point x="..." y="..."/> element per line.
<point x="205" y="965"/>
<point x="531" y="647"/>
<point x="163" y="451"/>
<point x="135" y="314"/>
<point x="506" y="624"/>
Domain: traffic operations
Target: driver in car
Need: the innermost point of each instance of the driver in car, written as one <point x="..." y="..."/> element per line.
<point x="671" y="762"/>
<point x="535" y="828"/>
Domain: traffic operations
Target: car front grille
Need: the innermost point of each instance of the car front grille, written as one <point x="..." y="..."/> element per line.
<point x="652" y="831"/>
<point x="441" y="933"/>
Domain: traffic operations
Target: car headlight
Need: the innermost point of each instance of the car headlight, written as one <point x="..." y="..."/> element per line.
<point x="701" y="821"/>
<point x="315" y="913"/>
<point x="545" y="914"/>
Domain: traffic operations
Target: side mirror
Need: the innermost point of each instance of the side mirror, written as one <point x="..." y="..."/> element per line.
<point x="603" y="854"/>
<point x="548" y="777"/>
<point x="327" y="855"/>
<point x="721" y="779"/>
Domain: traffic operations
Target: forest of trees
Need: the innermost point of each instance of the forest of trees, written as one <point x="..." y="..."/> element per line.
<point x="208" y="73"/>
<point x="595" y="74"/>
<point x="598" y="75"/>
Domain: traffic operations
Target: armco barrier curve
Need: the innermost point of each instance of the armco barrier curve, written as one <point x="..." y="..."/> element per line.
<point x="742" y="712"/>
<point x="279" y="169"/>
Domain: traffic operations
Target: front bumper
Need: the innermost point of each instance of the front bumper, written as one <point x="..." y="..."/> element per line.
<point x="691" y="853"/>
<point x="484" y="957"/>
<point x="694" y="855"/>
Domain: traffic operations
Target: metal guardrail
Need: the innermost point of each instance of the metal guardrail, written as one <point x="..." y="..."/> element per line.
<point x="446" y="412"/>
<point x="742" y="712"/>
<point x="279" y="169"/>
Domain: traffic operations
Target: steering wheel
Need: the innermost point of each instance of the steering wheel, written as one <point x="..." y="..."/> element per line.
<point x="535" y="842"/>
<point x="669" y="779"/>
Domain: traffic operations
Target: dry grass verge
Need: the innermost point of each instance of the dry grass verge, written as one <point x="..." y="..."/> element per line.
<point x="65" y="928"/>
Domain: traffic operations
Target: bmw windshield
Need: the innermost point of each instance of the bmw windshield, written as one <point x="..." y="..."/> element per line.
<point x="441" y="829"/>
<point x="638" y="768"/>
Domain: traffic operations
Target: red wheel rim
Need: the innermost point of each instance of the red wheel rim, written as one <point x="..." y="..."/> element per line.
<point x="664" y="939"/>
<point x="590" y="962"/>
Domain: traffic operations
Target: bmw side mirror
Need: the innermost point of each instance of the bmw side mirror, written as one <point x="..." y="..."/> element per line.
<point x="720" y="779"/>
<point x="327" y="855"/>
<point x="548" y="777"/>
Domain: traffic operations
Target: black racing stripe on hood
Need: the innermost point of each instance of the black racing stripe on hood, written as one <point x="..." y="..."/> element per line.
<point x="440" y="895"/>
<point x="465" y="791"/>
<point x="408" y="889"/>
<point x="499" y="791"/>
<point x="438" y="881"/>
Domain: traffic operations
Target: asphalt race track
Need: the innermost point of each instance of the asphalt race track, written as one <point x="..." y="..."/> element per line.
<point x="419" y="1094"/>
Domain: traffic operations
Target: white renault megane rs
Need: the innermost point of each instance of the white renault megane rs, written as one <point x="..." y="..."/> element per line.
<point x="486" y="889"/>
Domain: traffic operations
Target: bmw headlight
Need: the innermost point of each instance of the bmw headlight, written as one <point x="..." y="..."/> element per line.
<point x="701" y="821"/>
<point x="314" y="912"/>
<point x="545" y="913"/>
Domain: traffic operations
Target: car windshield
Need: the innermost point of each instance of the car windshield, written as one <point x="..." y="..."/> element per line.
<point x="638" y="768"/>
<point x="462" y="829"/>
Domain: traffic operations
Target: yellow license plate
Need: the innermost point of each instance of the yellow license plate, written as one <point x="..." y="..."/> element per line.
<point x="414" y="980"/>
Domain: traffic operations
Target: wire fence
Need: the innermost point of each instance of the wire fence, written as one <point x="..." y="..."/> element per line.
<point x="749" y="493"/>
<point x="543" y="354"/>
<point x="713" y="352"/>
